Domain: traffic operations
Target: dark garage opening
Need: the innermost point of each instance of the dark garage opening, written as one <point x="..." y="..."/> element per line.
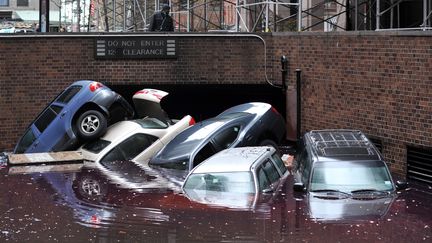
<point x="207" y="100"/>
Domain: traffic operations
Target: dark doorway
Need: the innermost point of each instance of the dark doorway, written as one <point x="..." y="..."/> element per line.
<point x="207" y="100"/>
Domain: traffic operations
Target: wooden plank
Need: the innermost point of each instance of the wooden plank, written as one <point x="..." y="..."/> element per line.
<point x="44" y="158"/>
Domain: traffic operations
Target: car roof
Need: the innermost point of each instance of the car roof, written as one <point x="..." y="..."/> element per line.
<point x="341" y="145"/>
<point x="258" y="108"/>
<point x="233" y="160"/>
<point x="185" y="142"/>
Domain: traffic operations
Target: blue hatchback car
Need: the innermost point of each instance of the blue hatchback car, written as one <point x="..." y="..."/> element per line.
<point x="80" y="113"/>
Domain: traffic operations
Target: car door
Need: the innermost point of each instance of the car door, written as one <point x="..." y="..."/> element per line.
<point x="220" y="141"/>
<point x="51" y="127"/>
<point x="28" y="141"/>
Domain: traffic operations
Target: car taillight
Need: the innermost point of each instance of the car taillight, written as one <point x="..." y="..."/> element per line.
<point x="95" y="85"/>
<point x="141" y="92"/>
<point x="191" y="121"/>
<point x="274" y="110"/>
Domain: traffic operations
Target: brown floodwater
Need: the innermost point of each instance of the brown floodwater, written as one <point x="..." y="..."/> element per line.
<point x="86" y="205"/>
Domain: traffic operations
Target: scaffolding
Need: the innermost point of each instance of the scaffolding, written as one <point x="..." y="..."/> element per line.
<point x="261" y="15"/>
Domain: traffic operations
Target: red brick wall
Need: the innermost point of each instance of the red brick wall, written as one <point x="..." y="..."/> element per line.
<point x="35" y="69"/>
<point x="378" y="82"/>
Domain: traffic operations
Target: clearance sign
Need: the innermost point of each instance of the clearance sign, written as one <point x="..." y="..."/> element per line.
<point x="135" y="48"/>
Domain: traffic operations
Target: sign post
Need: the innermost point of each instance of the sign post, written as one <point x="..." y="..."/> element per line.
<point x="44" y="15"/>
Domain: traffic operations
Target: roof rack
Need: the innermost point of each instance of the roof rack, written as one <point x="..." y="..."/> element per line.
<point x="340" y="142"/>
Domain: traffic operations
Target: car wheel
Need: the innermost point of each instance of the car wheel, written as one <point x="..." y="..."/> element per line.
<point x="91" y="188"/>
<point x="91" y="124"/>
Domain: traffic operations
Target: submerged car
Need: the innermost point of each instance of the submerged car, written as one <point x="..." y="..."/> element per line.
<point x="249" y="124"/>
<point x="140" y="139"/>
<point x="340" y="164"/>
<point x="80" y="113"/>
<point x="137" y="140"/>
<point x="237" y="177"/>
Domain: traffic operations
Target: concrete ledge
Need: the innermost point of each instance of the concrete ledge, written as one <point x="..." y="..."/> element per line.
<point x="43" y="158"/>
<point x="29" y="169"/>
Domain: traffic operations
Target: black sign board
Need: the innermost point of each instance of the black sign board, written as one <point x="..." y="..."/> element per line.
<point x="135" y="48"/>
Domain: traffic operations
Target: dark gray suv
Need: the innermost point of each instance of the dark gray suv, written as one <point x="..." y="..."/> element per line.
<point x="341" y="163"/>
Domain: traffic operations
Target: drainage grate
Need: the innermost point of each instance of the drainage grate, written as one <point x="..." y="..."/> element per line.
<point x="419" y="163"/>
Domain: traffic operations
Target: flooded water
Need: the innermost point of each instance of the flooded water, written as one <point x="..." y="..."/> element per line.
<point x="88" y="205"/>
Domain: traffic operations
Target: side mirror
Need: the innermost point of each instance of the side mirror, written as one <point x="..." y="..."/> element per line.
<point x="401" y="185"/>
<point x="267" y="191"/>
<point x="299" y="187"/>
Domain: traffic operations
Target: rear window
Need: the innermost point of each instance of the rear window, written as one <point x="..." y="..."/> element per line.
<point x="26" y="141"/>
<point x="96" y="146"/>
<point x="68" y="94"/>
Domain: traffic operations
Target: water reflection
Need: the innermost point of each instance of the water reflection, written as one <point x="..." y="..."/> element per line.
<point x="348" y="209"/>
<point x="89" y="206"/>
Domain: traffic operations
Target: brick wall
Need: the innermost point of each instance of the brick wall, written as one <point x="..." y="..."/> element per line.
<point x="379" y="82"/>
<point x="35" y="69"/>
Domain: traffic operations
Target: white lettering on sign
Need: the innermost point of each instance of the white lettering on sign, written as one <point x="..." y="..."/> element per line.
<point x="128" y="43"/>
<point x="113" y="43"/>
<point x="135" y="52"/>
<point x="152" y="43"/>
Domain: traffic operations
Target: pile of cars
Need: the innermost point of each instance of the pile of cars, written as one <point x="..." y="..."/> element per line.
<point x="230" y="159"/>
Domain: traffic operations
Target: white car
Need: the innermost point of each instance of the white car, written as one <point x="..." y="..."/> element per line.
<point x="137" y="140"/>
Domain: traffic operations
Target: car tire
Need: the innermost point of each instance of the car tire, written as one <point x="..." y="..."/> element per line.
<point x="91" y="125"/>
<point x="91" y="188"/>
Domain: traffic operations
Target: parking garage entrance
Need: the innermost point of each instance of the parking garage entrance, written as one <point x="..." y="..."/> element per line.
<point x="203" y="101"/>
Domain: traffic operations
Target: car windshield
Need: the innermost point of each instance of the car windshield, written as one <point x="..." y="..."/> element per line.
<point x="351" y="176"/>
<point x="236" y="182"/>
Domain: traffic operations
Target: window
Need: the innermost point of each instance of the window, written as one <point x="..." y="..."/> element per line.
<point x="4" y="3"/>
<point x="271" y="172"/>
<point x="46" y="118"/>
<point x="68" y="94"/>
<point x="151" y="123"/>
<point x="262" y="179"/>
<point x="22" y="3"/>
<point x="130" y="148"/>
<point x="305" y="165"/>
<point x="347" y="177"/>
<point x="26" y="141"/>
<point x="279" y="163"/>
<point x="96" y="146"/>
<point x="203" y="154"/>
<point x="227" y="137"/>
<point x="234" y="182"/>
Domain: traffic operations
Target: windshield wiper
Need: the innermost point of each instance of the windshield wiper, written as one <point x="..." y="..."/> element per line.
<point x="330" y="190"/>
<point x="365" y="190"/>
